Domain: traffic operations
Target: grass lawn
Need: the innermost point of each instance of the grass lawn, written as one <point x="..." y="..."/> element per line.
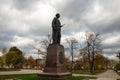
<point x="34" y="77"/>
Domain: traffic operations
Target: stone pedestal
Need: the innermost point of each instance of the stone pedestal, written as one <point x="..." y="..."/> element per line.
<point x="54" y="66"/>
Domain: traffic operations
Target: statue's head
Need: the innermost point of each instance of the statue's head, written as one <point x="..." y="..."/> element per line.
<point x="58" y="15"/>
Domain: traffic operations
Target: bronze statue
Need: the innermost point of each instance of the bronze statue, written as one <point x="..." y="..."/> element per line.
<point x="56" y="29"/>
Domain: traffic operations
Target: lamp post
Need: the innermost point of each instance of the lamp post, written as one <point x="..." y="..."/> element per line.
<point x="71" y="42"/>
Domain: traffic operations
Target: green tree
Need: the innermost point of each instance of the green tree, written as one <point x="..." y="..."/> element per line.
<point x="3" y="57"/>
<point x="31" y="62"/>
<point x="117" y="67"/>
<point x="15" y="57"/>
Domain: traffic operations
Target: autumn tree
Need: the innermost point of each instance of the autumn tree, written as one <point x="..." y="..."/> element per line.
<point x="100" y="62"/>
<point x="118" y="55"/>
<point x="84" y="59"/>
<point x="15" y="57"/>
<point x="44" y="44"/>
<point x="67" y="63"/>
<point x="31" y="62"/>
<point x="77" y="65"/>
<point x="92" y="47"/>
<point x="46" y="41"/>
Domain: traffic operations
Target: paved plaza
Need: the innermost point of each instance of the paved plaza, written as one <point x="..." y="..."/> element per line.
<point x="108" y="75"/>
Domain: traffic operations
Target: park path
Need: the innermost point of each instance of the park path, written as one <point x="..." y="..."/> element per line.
<point x="23" y="71"/>
<point x="108" y="75"/>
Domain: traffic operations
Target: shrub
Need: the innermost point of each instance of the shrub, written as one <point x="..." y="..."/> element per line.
<point x="117" y="67"/>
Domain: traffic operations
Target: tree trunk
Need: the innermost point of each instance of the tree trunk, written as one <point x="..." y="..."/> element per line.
<point x="92" y="63"/>
<point x="72" y="56"/>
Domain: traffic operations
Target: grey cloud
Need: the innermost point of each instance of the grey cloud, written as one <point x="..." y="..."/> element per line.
<point x="5" y="2"/>
<point x="72" y="14"/>
<point x="109" y="51"/>
<point x="106" y="28"/>
<point x="5" y="38"/>
<point x="24" y="4"/>
<point x="75" y="9"/>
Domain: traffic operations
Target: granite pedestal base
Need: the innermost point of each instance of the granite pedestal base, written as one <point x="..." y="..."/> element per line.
<point x="54" y="66"/>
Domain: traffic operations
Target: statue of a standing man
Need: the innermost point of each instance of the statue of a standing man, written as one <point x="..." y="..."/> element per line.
<point x="56" y="29"/>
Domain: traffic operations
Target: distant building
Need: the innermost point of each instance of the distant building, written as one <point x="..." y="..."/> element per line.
<point x="0" y="54"/>
<point x="40" y="63"/>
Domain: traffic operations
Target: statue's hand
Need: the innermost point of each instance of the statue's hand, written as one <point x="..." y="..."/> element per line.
<point x="62" y="25"/>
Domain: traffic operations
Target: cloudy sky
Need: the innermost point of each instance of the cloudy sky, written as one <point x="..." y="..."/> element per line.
<point x="25" y="22"/>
